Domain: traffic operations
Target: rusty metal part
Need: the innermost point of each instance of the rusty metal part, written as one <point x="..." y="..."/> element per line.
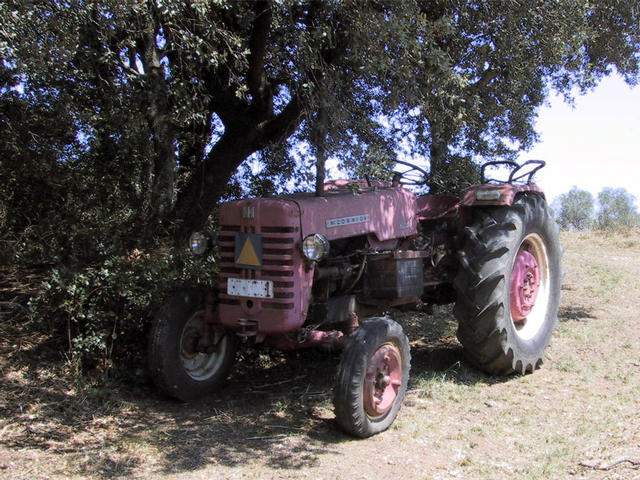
<point x="246" y="328"/>
<point x="209" y="320"/>
<point x="202" y="357"/>
<point x="507" y="194"/>
<point x="352" y="324"/>
<point x="329" y="341"/>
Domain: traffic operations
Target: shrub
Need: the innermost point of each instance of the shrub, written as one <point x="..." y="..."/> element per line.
<point x="102" y="312"/>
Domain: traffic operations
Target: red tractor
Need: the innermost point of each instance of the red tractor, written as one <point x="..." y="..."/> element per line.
<point x="311" y="270"/>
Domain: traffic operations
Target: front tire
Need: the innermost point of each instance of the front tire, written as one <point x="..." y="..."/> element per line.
<point x="372" y="378"/>
<point x="508" y="286"/>
<point x="178" y="365"/>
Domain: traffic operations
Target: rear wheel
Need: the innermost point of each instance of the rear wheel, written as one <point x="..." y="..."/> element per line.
<point x="372" y="378"/>
<point x="180" y="364"/>
<point x="508" y="286"/>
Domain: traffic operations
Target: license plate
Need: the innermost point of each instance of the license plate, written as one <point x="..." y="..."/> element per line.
<point x="239" y="287"/>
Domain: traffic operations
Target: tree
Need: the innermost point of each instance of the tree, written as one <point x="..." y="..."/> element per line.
<point x="175" y="95"/>
<point x="505" y="57"/>
<point x="166" y="100"/>
<point x="576" y="209"/>
<point x="616" y="209"/>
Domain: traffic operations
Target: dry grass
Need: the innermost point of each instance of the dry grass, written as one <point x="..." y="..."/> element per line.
<point x="575" y="416"/>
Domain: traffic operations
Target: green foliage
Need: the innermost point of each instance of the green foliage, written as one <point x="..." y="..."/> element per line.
<point x="616" y="210"/>
<point x="455" y="176"/>
<point x="576" y="210"/>
<point x="167" y="100"/>
<point x="102" y="312"/>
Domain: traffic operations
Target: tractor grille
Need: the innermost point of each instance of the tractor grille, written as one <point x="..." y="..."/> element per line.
<point x="278" y="253"/>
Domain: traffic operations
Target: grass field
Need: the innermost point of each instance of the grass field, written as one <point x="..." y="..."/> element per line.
<point x="576" y="417"/>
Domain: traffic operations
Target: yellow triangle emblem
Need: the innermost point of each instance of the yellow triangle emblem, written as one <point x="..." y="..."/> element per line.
<point x="248" y="255"/>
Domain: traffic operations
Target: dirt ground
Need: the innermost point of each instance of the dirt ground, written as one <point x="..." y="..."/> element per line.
<point x="575" y="417"/>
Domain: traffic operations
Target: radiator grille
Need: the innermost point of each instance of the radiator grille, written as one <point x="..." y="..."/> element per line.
<point x="278" y="260"/>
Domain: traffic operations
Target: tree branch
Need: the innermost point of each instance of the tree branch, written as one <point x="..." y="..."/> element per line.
<point x="256" y="75"/>
<point x="487" y="76"/>
<point x="159" y="118"/>
<point x="284" y="124"/>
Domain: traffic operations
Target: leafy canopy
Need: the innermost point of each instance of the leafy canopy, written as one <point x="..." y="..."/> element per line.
<point x="576" y="209"/>
<point x="617" y="209"/>
<point x="158" y="104"/>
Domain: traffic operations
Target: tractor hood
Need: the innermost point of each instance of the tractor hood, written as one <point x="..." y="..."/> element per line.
<point x="383" y="213"/>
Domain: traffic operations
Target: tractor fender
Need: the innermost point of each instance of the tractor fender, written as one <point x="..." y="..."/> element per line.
<point x="497" y="194"/>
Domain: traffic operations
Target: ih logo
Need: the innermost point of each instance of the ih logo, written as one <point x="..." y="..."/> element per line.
<point x="248" y="250"/>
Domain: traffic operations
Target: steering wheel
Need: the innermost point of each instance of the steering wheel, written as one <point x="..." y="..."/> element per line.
<point x="413" y="175"/>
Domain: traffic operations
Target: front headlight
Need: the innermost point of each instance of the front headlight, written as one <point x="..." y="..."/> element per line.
<point x="199" y="243"/>
<point x="315" y="247"/>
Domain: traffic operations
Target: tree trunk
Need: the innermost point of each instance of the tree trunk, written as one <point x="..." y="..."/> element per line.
<point x="158" y="115"/>
<point x="250" y="133"/>
<point x="319" y="139"/>
<point x="208" y="183"/>
<point x="438" y="159"/>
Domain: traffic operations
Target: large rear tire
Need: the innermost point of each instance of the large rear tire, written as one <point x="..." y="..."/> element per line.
<point x="508" y="286"/>
<point x="372" y="378"/>
<point x="179" y="366"/>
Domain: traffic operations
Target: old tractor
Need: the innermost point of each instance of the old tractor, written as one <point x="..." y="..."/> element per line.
<point x="311" y="270"/>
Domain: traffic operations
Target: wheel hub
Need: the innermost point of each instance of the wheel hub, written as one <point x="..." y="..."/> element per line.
<point x="200" y="361"/>
<point x="383" y="380"/>
<point x="525" y="280"/>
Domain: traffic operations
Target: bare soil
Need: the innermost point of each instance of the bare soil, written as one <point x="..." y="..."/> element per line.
<point x="576" y="417"/>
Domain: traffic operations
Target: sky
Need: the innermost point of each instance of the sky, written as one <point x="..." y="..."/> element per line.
<point x="592" y="145"/>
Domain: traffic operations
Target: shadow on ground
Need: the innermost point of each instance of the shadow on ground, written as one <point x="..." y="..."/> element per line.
<point x="568" y="313"/>
<point x="276" y="407"/>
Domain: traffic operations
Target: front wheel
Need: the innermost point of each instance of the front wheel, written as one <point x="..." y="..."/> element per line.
<point x="181" y="365"/>
<point x="372" y="378"/>
<point x="508" y="286"/>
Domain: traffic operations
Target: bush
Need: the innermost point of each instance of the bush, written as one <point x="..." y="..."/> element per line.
<point x="102" y="312"/>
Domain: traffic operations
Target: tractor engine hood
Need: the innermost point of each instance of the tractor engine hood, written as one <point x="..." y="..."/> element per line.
<point x="383" y="213"/>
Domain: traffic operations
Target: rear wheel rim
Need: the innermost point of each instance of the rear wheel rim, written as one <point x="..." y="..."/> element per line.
<point x="530" y="287"/>
<point x="383" y="380"/>
<point x="198" y="365"/>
